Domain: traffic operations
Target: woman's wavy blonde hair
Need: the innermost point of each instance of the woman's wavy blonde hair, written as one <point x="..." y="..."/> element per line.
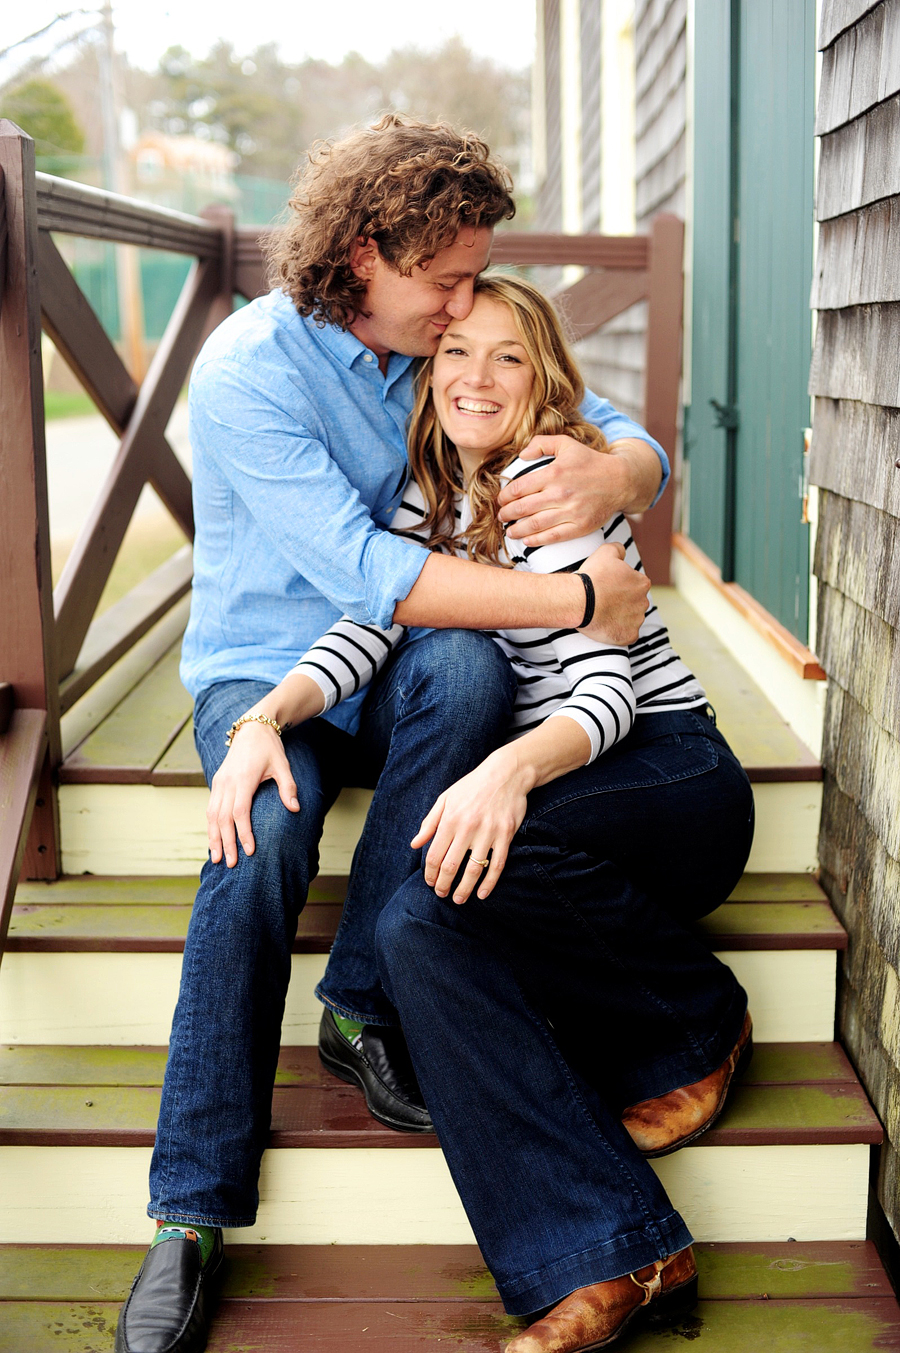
<point x="408" y="185"/>
<point x="552" y="408"/>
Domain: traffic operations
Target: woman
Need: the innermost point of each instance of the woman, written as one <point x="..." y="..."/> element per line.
<point x="564" y="1023"/>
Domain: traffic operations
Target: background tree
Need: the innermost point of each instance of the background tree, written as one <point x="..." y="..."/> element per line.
<point x="268" y="111"/>
<point x="41" y="110"/>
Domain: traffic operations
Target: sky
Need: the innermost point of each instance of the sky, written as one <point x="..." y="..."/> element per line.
<point x="501" y="29"/>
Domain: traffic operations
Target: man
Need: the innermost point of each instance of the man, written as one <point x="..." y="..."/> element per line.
<point x="298" y="410"/>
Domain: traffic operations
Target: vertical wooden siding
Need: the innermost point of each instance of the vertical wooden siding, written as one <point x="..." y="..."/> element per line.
<point x="613" y="361"/>
<point x="856" y="463"/>
<point x="549" y="202"/>
<point x="590" y="117"/>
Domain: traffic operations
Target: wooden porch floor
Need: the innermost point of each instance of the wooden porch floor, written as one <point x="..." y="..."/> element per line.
<point x="147" y="738"/>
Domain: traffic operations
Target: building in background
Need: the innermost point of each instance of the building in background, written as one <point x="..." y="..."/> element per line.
<point x="172" y="170"/>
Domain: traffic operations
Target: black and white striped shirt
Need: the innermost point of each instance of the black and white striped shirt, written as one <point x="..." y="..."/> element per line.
<point x="559" y="672"/>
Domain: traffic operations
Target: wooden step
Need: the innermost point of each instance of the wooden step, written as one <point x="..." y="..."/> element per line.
<point x="792" y="1095"/>
<point x="824" y="1297"/>
<point x="143" y="915"/>
<point x="97" y="960"/>
<point x="790" y="1156"/>
<point x="152" y="829"/>
<point x="144" y="741"/>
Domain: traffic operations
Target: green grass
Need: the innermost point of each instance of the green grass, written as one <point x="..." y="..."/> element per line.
<point x="67" y="404"/>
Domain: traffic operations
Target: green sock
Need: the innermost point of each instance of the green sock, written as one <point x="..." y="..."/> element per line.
<point x="205" y="1236"/>
<point x="350" y="1028"/>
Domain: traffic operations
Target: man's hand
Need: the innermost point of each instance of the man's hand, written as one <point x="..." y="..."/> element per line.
<point x="621" y="596"/>
<point x="580" y="491"/>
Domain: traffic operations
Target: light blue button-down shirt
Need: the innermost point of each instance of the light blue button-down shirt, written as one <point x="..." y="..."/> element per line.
<point x="299" y="454"/>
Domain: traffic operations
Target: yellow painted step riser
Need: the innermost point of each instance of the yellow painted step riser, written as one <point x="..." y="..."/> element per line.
<point x="98" y="1195"/>
<point x="147" y="829"/>
<point x="129" y="998"/>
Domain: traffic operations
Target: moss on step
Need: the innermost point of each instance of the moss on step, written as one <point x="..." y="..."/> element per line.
<point x="826" y="1326"/>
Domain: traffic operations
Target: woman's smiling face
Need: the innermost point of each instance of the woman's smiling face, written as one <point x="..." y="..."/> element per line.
<point x="481" y="381"/>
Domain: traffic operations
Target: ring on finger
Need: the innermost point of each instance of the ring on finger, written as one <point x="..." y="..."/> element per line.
<point x="483" y="864"/>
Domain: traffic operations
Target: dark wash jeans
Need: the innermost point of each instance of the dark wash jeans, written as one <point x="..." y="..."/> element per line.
<point x="439" y="708"/>
<point x="578" y="987"/>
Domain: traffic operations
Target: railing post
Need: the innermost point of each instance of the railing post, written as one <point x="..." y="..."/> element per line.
<point x="663" y="374"/>
<point x="27" y="657"/>
<point x="223" y="217"/>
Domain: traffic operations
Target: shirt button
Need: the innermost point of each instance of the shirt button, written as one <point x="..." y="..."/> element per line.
<point x="368" y="357"/>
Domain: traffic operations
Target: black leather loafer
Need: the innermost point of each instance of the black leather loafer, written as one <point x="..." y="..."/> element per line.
<point x="172" y="1300"/>
<point x="383" y="1071"/>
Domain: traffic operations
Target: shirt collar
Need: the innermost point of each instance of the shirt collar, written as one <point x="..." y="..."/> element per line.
<point x="349" y="350"/>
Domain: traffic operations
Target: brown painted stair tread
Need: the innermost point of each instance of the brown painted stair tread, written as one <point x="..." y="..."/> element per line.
<point x="85" y="1065"/>
<point x="828" y="1297"/>
<point x="312" y="1109"/>
<point x="788" y="1270"/>
<point x="147" y="738"/>
<point x="128" y="915"/>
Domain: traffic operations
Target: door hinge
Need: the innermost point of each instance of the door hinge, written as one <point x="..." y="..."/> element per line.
<point x="727" y="415"/>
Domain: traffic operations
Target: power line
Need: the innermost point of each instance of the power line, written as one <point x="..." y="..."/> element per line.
<point x="60" y="18"/>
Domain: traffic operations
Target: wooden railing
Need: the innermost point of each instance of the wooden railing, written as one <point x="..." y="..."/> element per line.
<point x="54" y="647"/>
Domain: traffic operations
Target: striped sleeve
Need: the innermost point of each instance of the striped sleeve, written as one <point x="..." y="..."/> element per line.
<point x="346" y="658"/>
<point x="601" y="699"/>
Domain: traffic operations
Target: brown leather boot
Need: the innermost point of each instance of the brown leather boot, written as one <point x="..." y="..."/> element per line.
<point x="595" y="1317"/>
<point x="659" y="1126"/>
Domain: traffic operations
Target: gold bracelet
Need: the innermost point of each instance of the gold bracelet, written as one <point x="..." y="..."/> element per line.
<point x="250" y="718"/>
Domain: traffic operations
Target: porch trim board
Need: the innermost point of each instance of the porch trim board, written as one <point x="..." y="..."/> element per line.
<point x="799" y="698"/>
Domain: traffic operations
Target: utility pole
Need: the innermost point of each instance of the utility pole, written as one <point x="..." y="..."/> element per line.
<point x="131" y="308"/>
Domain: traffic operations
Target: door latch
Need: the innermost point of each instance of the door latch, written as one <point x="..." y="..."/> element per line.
<point x="727" y="415"/>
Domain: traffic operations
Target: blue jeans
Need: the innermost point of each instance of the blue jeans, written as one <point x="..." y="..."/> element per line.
<point x="442" y="704"/>
<point x="578" y="987"/>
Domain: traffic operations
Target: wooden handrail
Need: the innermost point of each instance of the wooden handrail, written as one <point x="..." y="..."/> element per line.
<point x="534" y="250"/>
<point x="77" y="209"/>
<point x="26" y="613"/>
<point x="626" y="254"/>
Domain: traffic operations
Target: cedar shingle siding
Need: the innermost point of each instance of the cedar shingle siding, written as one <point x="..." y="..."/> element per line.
<point x="855" y="456"/>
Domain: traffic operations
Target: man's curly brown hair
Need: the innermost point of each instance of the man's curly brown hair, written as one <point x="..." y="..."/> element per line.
<point x="409" y="186"/>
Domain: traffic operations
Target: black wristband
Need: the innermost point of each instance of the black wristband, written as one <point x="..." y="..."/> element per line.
<point x="590" y="600"/>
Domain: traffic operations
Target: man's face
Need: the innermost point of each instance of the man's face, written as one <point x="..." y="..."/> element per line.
<point x="409" y="314"/>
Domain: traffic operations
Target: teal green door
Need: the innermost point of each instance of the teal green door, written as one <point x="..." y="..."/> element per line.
<point x="752" y="270"/>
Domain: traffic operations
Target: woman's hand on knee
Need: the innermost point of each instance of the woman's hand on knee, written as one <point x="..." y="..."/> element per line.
<point x="478" y="815"/>
<point x="255" y="755"/>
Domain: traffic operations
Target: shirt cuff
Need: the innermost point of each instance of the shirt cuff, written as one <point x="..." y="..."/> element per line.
<point x="621" y="426"/>
<point x="391" y="567"/>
